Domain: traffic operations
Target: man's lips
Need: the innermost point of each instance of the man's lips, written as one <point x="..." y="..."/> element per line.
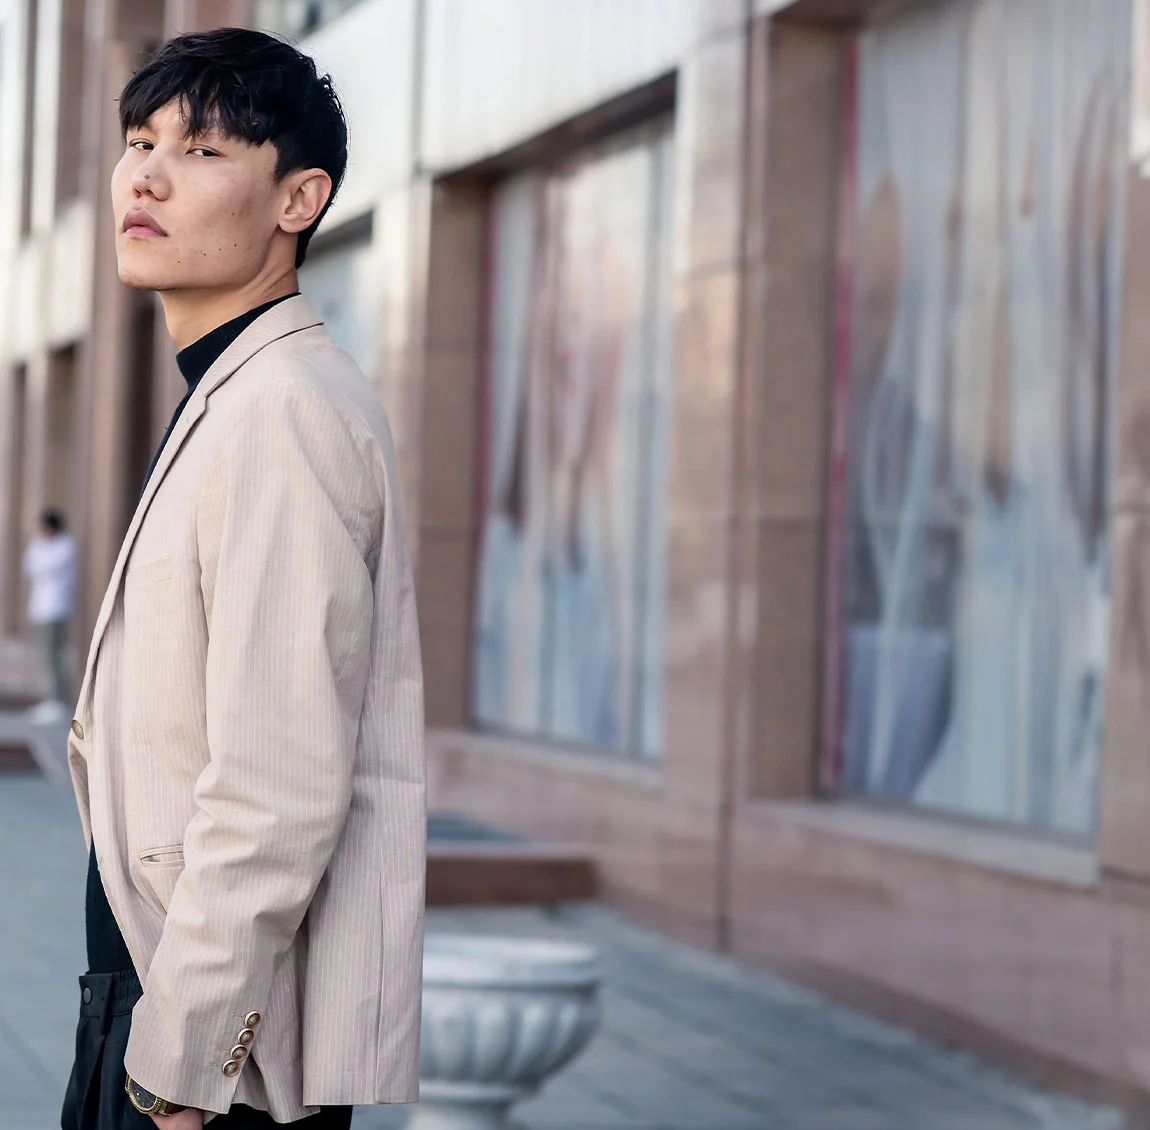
<point x="140" y="224"/>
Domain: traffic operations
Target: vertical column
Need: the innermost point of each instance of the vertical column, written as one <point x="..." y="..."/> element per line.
<point x="401" y="239"/>
<point x="452" y="366"/>
<point x="1123" y="846"/>
<point x="13" y="399"/>
<point x="703" y="597"/>
<point x="37" y="440"/>
<point x="797" y="128"/>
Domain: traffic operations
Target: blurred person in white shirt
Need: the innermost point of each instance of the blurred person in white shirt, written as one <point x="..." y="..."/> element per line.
<point x="50" y="568"/>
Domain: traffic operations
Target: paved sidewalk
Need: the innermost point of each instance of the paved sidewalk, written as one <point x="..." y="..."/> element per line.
<point x="691" y="1041"/>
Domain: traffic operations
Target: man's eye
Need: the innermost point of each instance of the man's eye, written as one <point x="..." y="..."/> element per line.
<point x="141" y="145"/>
<point x="202" y="152"/>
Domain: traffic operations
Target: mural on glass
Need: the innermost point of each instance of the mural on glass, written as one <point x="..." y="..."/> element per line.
<point x="566" y="640"/>
<point x="986" y="261"/>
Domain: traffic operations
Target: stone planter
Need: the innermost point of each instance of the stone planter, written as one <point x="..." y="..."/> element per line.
<point x="500" y="1015"/>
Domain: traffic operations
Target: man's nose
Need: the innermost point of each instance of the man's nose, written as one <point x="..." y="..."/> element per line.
<point x="149" y="179"/>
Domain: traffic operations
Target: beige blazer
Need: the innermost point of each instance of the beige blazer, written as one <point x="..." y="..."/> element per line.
<point x="248" y="744"/>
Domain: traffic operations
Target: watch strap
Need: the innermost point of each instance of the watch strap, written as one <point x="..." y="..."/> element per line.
<point x="159" y="1107"/>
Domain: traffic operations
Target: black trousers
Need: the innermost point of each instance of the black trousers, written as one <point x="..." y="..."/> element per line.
<point x="96" y="1099"/>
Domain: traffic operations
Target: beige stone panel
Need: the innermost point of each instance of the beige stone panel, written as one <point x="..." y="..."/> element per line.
<point x="741" y="741"/>
<point x="789" y="312"/>
<point x="720" y="17"/>
<point x="394" y="248"/>
<point x="950" y="948"/>
<point x="709" y="149"/>
<point x="451" y="427"/>
<point x="804" y="151"/>
<point x="689" y="879"/>
<point x="703" y="411"/>
<point x="1125" y="787"/>
<point x="747" y="425"/>
<point x="756" y="147"/>
<point x="13" y="396"/>
<point x="455" y="281"/>
<point x="67" y="254"/>
<point x="443" y="592"/>
<point x="794" y="411"/>
<point x="1132" y="457"/>
<point x="696" y="657"/>
<point x="789" y="661"/>
<point x="1131" y="1028"/>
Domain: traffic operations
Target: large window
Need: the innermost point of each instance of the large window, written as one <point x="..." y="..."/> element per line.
<point x="339" y="279"/>
<point x="984" y="237"/>
<point x="567" y="636"/>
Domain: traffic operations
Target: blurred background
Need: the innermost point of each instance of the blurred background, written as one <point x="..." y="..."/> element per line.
<point x="772" y="400"/>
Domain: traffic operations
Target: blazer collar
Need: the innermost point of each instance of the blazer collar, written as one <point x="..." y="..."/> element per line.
<point x="288" y="317"/>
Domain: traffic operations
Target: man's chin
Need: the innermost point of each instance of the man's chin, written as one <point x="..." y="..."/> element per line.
<point x="142" y="269"/>
<point x="138" y="279"/>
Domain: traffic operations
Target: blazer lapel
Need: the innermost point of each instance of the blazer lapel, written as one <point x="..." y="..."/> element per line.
<point x="288" y="317"/>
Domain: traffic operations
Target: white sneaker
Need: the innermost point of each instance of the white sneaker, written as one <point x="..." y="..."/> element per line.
<point x="46" y="712"/>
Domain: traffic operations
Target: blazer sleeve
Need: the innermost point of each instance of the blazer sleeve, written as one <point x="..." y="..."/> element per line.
<point x="287" y="517"/>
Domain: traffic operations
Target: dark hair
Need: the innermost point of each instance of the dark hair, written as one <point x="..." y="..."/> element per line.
<point x="249" y="86"/>
<point x="53" y="520"/>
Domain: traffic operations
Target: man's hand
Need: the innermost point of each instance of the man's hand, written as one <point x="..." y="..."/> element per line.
<point x="185" y="1120"/>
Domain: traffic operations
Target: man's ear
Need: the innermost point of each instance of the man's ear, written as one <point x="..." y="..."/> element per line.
<point x="310" y="190"/>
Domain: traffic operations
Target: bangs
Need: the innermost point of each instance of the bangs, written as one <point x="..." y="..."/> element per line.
<point x="210" y="99"/>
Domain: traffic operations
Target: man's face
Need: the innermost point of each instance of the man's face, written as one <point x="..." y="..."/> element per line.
<point x="198" y="213"/>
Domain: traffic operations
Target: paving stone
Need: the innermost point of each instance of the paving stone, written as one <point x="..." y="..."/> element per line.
<point x="380" y="1117"/>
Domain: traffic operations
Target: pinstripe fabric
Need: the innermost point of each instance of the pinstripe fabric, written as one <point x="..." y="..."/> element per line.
<point x="251" y="764"/>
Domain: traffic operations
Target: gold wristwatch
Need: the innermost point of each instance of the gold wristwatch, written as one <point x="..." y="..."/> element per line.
<point x="147" y="1103"/>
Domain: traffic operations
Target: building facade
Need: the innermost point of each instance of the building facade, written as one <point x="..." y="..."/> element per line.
<point x="768" y="386"/>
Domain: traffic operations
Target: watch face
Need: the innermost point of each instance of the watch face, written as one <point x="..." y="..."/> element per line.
<point x="143" y="1100"/>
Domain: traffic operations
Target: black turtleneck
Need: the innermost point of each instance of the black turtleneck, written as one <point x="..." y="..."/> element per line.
<point x="107" y="952"/>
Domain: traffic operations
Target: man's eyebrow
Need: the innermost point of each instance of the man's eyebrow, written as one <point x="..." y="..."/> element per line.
<point x="210" y="132"/>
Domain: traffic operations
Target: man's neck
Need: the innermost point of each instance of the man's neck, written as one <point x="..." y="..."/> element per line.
<point x="191" y="314"/>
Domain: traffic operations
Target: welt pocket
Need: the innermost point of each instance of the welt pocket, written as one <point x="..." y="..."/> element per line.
<point x="152" y="573"/>
<point x="162" y="856"/>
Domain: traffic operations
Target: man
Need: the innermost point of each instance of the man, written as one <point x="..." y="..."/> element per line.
<point x="247" y="750"/>
<point x="50" y="569"/>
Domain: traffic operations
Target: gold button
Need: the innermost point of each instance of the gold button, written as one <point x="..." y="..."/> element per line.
<point x="77" y="729"/>
<point x="252" y="1019"/>
<point x="245" y="1038"/>
<point x="239" y="1053"/>
<point x="231" y="1068"/>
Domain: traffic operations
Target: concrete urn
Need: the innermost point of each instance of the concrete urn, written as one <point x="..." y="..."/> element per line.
<point x="500" y="1015"/>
